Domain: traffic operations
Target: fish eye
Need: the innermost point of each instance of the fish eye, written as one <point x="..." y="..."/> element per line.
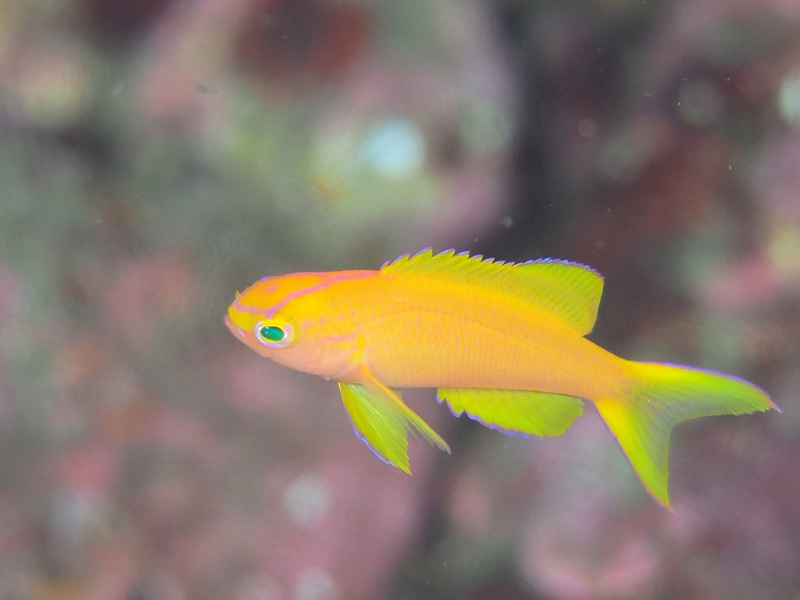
<point x="271" y="333"/>
<point x="274" y="335"/>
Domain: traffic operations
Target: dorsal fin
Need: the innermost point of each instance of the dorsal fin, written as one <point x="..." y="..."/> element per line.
<point x="569" y="290"/>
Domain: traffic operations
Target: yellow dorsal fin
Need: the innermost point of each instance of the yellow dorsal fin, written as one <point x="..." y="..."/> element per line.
<point x="569" y="290"/>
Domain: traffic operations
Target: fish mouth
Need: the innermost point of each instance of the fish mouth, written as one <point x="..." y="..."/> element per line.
<point x="235" y="329"/>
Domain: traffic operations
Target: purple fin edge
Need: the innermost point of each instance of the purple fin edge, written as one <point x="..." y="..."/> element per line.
<point x="457" y="415"/>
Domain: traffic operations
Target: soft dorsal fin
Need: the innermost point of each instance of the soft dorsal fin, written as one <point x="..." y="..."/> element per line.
<point x="569" y="290"/>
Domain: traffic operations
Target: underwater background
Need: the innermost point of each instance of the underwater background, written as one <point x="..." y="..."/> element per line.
<point x="156" y="156"/>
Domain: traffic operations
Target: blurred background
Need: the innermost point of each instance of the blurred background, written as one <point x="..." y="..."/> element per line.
<point x="158" y="155"/>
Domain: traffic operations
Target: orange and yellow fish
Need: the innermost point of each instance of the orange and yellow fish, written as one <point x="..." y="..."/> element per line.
<point x="502" y="342"/>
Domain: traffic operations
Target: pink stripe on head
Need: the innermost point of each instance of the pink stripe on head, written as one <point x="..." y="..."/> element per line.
<point x="293" y="296"/>
<point x="331" y="279"/>
<point x="328" y="280"/>
<point x="253" y="310"/>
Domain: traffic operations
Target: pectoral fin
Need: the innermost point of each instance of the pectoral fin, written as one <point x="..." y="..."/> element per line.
<point x="519" y="412"/>
<point x="381" y="418"/>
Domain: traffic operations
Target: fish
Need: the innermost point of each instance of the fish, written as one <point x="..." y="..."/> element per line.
<point x="502" y="342"/>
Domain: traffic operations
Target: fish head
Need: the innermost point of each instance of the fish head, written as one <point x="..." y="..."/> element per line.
<point x="292" y="320"/>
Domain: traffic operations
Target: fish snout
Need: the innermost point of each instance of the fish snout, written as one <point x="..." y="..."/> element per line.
<point x="235" y="329"/>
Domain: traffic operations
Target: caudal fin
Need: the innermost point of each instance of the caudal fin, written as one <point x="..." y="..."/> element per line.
<point x="663" y="396"/>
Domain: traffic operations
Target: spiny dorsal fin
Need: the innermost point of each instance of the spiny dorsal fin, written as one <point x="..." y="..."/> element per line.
<point x="569" y="290"/>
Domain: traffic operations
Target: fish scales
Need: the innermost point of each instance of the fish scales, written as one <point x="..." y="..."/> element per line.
<point x="431" y="334"/>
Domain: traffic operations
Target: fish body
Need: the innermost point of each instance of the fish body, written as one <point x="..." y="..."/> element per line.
<point x="422" y="333"/>
<point x="504" y="343"/>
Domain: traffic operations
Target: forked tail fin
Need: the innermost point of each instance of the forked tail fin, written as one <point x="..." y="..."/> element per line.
<point x="663" y="396"/>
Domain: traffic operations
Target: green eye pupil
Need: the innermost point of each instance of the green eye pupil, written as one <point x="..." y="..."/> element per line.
<point x="272" y="334"/>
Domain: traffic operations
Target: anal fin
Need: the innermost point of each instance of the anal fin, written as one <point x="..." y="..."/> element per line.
<point x="516" y="412"/>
